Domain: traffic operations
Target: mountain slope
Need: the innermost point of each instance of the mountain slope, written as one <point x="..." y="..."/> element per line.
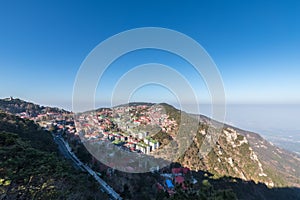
<point x="28" y="131"/>
<point x="233" y="152"/>
<point x="279" y="161"/>
<point x="30" y="167"/>
<point x="17" y="106"/>
<point x="239" y="160"/>
<point x="233" y="164"/>
<point x="238" y="153"/>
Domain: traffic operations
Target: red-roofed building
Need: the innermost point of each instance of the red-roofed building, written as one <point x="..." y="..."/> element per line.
<point x="131" y="144"/>
<point x="105" y="133"/>
<point x="123" y="138"/>
<point x="180" y="180"/>
<point x="185" y="170"/>
<point x="137" y="122"/>
<point x="176" y="170"/>
<point x="132" y="149"/>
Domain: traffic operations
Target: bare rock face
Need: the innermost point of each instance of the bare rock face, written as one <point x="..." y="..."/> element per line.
<point x="241" y="154"/>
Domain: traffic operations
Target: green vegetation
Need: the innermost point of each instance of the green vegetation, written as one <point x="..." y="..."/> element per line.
<point x="172" y="112"/>
<point x="30" y="167"/>
<point x="206" y="192"/>
<point x="142" y="144"/>
<point x="152" y="140"/>
<point x="116" y="142"/>
<point x="29" y="170"/>
<point x="162" y="137"/>
<point x="15" y="106"/>
<point x="29" y="131"/>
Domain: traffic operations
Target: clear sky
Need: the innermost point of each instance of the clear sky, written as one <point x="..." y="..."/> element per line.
<point x="255" y="45"/>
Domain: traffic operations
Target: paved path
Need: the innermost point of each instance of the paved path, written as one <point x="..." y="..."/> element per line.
<point x="67" y="152"/>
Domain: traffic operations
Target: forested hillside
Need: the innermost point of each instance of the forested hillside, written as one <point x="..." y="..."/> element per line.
<point x="31" y="168"/>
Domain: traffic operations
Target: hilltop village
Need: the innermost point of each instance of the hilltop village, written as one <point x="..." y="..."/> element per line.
<point x="130" y="127"/>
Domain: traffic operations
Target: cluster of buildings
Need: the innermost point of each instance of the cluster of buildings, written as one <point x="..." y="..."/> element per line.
<point x="120" y="126"/>
<point x="59" y="125"/>
<point x="123" y="126"/>
<point x="176" y="177"/>
<point x="42" y="116"/>
<point x="144" y="145"/>
<point x="129" y="117"/>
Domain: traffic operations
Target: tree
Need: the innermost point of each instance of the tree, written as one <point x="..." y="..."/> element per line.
<point x="126" y="192"/>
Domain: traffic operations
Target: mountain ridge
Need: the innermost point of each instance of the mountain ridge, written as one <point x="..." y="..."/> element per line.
<point x="220" y="180"/>
<point x="280" y="163"/>
<point x="287" y="168"/>
<point x="17" y="106"/>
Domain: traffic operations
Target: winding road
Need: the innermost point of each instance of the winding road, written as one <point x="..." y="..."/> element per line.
<point x="67" y="152"/>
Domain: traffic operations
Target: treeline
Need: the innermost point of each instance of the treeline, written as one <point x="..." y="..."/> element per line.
<point x="16" y="106"/>
<point x="29" y="131"/>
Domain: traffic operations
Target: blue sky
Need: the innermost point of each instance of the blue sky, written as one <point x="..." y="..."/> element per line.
<point x="255" y="45"/>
